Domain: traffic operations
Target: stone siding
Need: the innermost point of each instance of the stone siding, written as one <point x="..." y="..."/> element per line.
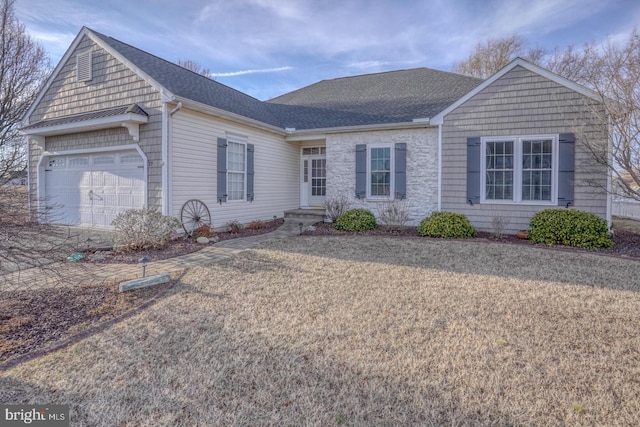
<point x="422" y="168"/>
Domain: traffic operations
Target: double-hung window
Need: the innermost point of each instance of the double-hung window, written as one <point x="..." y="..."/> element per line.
<point x="380" y="173"/>
<point x="236" y="169"/>
<point x="519" y="169"/>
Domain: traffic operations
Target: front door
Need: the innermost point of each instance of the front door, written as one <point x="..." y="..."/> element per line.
<point x="317" y="181"/>
<point x="314" y="179"/>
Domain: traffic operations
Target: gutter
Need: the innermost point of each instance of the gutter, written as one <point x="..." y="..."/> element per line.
<point x="439" y="167"/>
<point x="220" y="113"/>
<point x="306" y="134"/>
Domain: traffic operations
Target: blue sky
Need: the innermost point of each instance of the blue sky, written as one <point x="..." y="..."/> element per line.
<point x="269" y="47"/>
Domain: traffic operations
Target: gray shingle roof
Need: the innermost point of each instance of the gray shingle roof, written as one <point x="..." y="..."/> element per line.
<point x="193" y="86"/>
<point x="389" y="97"/>
<point x="394" y="96"/>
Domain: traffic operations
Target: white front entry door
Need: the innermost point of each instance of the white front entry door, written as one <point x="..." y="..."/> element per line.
<point x="314" y="180"/>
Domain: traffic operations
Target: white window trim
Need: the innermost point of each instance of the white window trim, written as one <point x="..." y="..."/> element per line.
<point x="242" y="141"/>
<point x="517" y="170"/>
<point x="391" y="171"/>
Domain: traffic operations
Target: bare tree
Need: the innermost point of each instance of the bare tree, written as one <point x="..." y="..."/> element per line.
<point x="194" y="66"/>
<point x="23" y="67"/>
<point x="612" y="71"/>
<point x="26" y="240"/>
<point x="493" y="54"/>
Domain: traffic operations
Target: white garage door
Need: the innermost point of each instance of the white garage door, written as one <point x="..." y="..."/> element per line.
<point x="91" y="189"/>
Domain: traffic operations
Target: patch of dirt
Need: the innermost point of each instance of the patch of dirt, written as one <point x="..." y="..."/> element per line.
<point x="31" y="320"/>
<point x="175" y="248"/>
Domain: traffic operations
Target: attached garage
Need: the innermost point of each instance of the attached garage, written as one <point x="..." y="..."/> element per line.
<point x="90" y="189"/>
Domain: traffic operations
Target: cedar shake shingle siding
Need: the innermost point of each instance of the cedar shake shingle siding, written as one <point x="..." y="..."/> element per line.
<point x="519" y="103"/>
<point x="113" y="85"/>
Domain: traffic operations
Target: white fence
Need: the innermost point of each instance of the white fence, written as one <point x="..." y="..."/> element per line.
<point x="626" y="208"/>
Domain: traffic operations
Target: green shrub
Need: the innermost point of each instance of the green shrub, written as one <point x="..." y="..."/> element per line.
<point x="569" y="227"/>
<point x="448" y="225"/>
<point x="356" y="220"/>
<point x="139" y="229"/>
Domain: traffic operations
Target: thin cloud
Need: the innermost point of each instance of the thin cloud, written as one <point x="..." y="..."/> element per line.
<point x="254" y="71"/>
<point x="364" y="65"/>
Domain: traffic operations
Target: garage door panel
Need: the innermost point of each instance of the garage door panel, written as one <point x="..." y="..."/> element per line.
<point x="91" y="190"/>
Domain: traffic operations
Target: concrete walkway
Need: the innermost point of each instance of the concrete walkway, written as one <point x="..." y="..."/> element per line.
<point x="75" y="274"/>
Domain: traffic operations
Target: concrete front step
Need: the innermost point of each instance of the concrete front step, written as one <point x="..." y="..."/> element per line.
<point x="306" y="215"/>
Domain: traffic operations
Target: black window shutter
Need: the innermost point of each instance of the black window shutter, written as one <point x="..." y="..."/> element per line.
<point x="566" y="168"/>
<point x="400" y="170"/>
<point x="250" y="173"/>
<point x="473" y="170"/>
<point x="222" y="170"/>
<point x="361" y="171"/>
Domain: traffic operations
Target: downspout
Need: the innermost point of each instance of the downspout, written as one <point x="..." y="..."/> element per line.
<point x="166" y="138"/>
<point x="29" y="193"/>
<point x="609" y="173"/>
<point x="439" y="167"/>
<point x="165" y="160"/>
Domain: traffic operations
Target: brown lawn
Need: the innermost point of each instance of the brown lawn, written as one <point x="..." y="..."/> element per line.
<point x="366" y="331"/>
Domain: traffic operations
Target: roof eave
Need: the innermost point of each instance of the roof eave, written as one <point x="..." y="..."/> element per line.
<point x="87" y="125"/>
<point x="224" y="114"/>
<point x="309" y="134"/>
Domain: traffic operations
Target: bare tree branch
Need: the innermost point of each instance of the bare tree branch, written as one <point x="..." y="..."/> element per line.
<point x="23" y="68"/>
<point x="493" y="54"/>
<point x="612" y="71"/>
<point x="194" y="66"/>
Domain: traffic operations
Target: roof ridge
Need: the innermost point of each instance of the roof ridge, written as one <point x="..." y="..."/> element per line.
<point x="104" y="36"/>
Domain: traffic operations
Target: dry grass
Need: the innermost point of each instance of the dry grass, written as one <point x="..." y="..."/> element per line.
<point x="370" y="331"/>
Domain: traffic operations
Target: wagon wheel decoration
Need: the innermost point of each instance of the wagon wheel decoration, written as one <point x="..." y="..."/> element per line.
<point x="194" y="214"/>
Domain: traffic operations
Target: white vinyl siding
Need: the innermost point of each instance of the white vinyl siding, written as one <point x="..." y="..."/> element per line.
<point x="193" y="169"/>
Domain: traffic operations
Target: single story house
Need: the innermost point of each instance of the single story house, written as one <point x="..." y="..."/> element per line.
<point x="115" y="127"/>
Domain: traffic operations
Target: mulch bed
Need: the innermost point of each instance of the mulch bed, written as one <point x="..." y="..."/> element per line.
<point x="31" y="320"/>
<point x="180" y="246"/>
<point x="626" y="244"/>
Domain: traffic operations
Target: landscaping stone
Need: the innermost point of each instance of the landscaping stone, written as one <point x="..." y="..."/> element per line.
<point x="202" y="240"/>
<point x="99" y="256"/>
<point x="144" y="282"/>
